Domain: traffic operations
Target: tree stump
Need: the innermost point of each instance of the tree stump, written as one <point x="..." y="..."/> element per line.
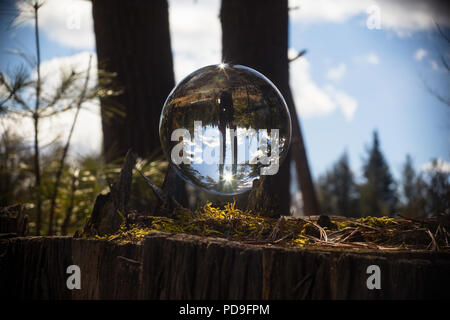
<point x="183" y="266"/>
<point x="13" y="221"/>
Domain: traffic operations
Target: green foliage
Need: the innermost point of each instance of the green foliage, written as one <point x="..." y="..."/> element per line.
<point x="82" y="179"/>
<point x="15" y="157"/>
<point x="433" y="190"/>
<point x="27" y="94"/>
<point x="378" y="192"/>
<point x="422" y="194"/>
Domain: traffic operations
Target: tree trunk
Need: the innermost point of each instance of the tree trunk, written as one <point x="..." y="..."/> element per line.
<point x="133" y="41"/>
<point x="255" y="34"/>
<point x="298" y="151"/>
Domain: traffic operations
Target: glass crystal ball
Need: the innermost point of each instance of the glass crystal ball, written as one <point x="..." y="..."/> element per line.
<point x="223" y="126"/>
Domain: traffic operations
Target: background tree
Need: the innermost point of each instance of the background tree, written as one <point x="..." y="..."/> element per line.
<point x="337" y="190"/>
<point x="25" y="93"/>
<point x="437" y="189"/>
<point x="133" y="41"/>
<point x="378" y="194"/>
<point x="412" y="190"/>
<point x="15" y="155"/>
<point x="255" y="34"/>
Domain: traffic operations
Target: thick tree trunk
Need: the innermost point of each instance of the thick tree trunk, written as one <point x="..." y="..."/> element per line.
<point x="133" y="41"/>
<point x="190" y="267"/>
<point x="255" y="34"/>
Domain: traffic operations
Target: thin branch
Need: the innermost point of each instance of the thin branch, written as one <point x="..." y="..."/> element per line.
<point x="69" y="210"/>
<point x="37" y="170"/>
<point x="300" y="54"/>
<point x="442" y="32"/>
<point x="438" y="96"/>
<point x="66" y="149"/>
<point x="447" y="67"/>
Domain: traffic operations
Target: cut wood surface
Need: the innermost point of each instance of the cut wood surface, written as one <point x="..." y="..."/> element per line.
<point x="184" y="266"/>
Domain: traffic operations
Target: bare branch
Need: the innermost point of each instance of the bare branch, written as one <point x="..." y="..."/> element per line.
<point x="442" y="32"/>
<point x="445" y="100"/>
<point x="300" y="54"/>
<point x="447" y="67"/>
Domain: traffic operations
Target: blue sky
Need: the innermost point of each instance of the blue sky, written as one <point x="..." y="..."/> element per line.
<point x="391" y="94"/>
<point x="352" y="80"/>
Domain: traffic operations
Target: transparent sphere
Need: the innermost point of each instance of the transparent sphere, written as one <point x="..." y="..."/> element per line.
<point x="224" y="126"/>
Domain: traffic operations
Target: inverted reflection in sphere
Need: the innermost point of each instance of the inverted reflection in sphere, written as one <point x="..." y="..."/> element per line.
<point x="224" y="126"/>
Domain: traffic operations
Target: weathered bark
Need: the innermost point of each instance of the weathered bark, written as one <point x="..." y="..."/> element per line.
<point x="262" y="199"/>
<point x="133" y="41"/>
<point x="255" y="34"/>
<point x="13" y="220"/>
<point x="190" y="267"/>
<point x="111" y="209"/>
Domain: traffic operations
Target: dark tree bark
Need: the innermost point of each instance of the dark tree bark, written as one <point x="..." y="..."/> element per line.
<point x="190" y="267"/>
<point x="133" y="41"/>
<point x="255" y="34"/>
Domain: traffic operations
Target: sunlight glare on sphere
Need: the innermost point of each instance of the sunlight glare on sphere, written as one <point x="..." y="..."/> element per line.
<point x="223" y="126"/>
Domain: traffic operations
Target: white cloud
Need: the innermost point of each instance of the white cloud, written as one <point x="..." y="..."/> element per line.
<point x="337" y="73"/>
<point x="372" y="58"/>
<point x="195" y="34"/>
<point x="400" y="16"/>
<point x="434" y="65"/>
<point x="439" y="165"/>
<point x="420" y="54"/>
<point x="313" y="100"/>
<point x="87" y="135"/>
<point x="345" y="103"/>
<point x="194" y="25"/>
<point x="67" y="22"/>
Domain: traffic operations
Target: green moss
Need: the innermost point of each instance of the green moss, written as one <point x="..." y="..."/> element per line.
<point x="300" y="241"/>
<point x="232" y="223"/>
<point x="341" y="224"/>
<point x="228" y="222"/>
<point x="377" y="221"/>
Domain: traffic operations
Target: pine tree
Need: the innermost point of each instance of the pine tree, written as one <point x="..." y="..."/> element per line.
<point x="412" y="189"/>
<point x="378" y="195"/>
<point x="408" y="180"/>
<point x="337" y="190"/>
<point x="437" y="189"/>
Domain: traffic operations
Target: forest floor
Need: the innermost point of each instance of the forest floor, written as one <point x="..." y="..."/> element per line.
<point x="378" y="233"/>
